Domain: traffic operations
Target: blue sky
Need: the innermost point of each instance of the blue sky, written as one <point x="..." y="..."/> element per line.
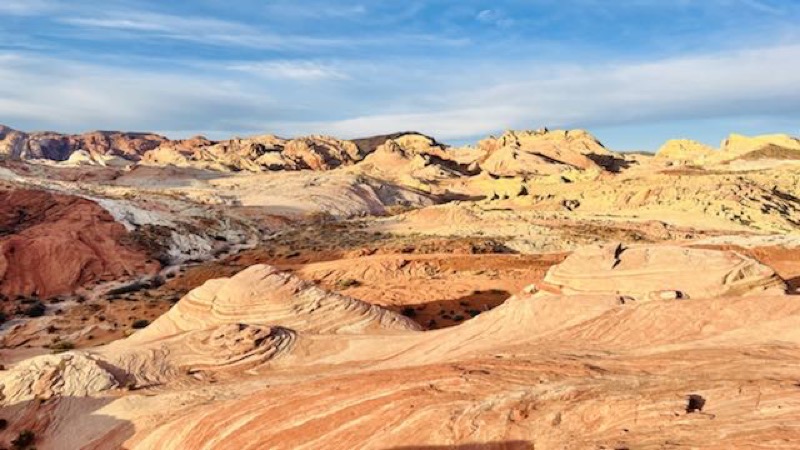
<point x="634" y="72"/>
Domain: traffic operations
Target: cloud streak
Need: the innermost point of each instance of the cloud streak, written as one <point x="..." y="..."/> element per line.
<point x="26" y="7"/>
<point x="200" y="30"/>
<point x="205" y="31"/>
<point x="706" y="86"/>
<point x="291" y="70"/>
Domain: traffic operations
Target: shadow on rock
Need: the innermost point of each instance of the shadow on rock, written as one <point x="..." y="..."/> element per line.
<point x="63" y="422"/>
<point x="450" y="312"/>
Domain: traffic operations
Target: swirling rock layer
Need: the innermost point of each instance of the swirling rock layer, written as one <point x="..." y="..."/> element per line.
<point x="263" y="295"/>
<point x="643" y="272"/>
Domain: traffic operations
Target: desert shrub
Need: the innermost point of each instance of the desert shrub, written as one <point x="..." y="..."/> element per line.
<point x="37" y="309"/>
<point x="347" y="282"/>
<point x="61" y="346"/>
<point x="3" y="317"/>
<point x="139" y="324"/>
<point x="24" y="439"/>
<point x="409" y="312"/>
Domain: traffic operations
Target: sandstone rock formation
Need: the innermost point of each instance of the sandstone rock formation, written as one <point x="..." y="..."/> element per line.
<point x="685" y="150"/>
<point x="82" y="157"/>
<point x="59" y="147"/>
<point x="548" y="371"/>
<point x="735" y="147"/>
<point x="289" y="316"/>
<point x="412" y="160"/>
<point x="309" y="194"/>
<point x="663" y="272"/>
<point x="739" y="145"/>
<point x="51" y="244"/>
<point x="259" y="153"/>
<point x="62" y="375"/>
<point x="541" y="152"/>
<point x="262" y="295"/>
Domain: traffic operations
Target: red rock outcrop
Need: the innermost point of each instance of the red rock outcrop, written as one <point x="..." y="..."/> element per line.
<point x="51" y="244"/>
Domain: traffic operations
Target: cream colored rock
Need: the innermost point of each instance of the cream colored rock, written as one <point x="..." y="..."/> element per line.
<point x="737" y="144"/>
<point x="70" y="374"/>
<point x="263" y="295"/>
<point x="540" y="152"/>
<point x="258" y="153"/>
<point x="225" y="350"/>
<point x="503" y="188"/>
<point x="685" y="150"/>
<point x="661" y="272"/>
<point x="415" y="161"/>
<point x="307" y="194"/>
<point x="82" y="157"/>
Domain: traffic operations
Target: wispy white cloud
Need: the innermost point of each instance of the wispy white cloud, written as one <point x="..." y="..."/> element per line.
<point x="39" y="92"/>
<point x="706" y="86"/>
<point x="201" y="30"/>
<point x="451" y="98"/>
<point x="211" y="31"/>
<point x="494" y="17"/>
<point x="315" y="10"/>
<point x="291" y="70"/>
<point x="26" y="7"/>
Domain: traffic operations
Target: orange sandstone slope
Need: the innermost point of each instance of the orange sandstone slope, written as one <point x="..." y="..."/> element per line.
<point x="52" y="244"/>
<point x="262" y="360"/>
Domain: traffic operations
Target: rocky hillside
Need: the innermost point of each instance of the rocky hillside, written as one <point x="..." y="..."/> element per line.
<point x="52" y="244"/>
<point x="59" y="147"/>
<point x="515" y="153"/>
